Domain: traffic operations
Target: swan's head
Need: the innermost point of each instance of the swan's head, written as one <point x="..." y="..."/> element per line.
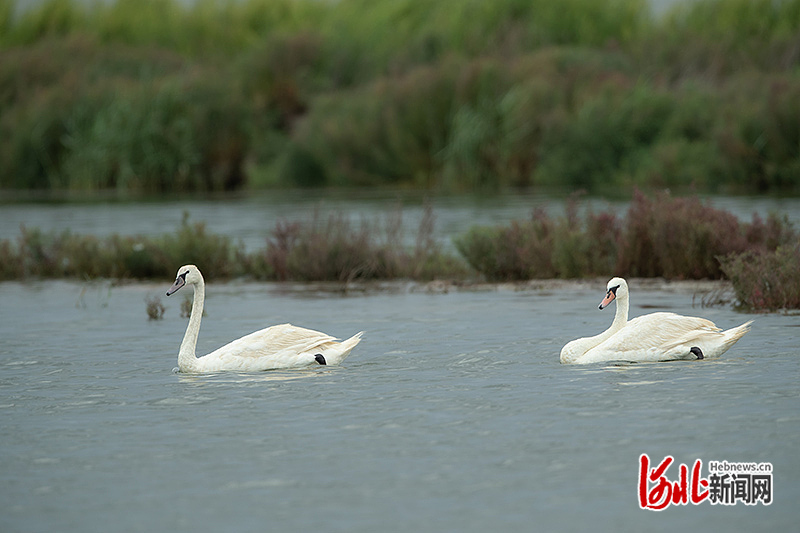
<point x="616" y="288"/>
<point x="186" y="274"/>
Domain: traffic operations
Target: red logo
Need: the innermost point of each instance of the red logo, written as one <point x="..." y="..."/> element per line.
<point x="729" y="483"/>
<point x="656" y="492"/>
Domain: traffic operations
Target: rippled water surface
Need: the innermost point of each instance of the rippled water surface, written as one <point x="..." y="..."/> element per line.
<point x="453" y="414"/>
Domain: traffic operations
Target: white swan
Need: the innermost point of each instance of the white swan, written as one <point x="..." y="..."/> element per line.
<point x="653" y="337"/>
<point x="283" y="346"/>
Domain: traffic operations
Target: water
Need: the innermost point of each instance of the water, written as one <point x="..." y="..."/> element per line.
<point x="251" y="218"/>
<point x="453" y="414"/>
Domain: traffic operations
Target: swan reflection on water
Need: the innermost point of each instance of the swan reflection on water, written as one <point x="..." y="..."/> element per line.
<point x="250" y="377"/>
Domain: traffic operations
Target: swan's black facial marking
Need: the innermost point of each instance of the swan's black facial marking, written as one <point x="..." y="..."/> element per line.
<point x="697" y="352"/>
<point x="320" y="359"/>
<point x="180" y="281"/>
<point x="611" y="294"/>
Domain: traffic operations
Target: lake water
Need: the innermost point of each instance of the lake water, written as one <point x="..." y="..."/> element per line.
<point x="453" y="414"/>
<point x="252" y="217"/>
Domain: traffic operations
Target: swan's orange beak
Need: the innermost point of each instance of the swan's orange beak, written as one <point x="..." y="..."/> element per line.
<point x="610" y="295"/>
<point x="180" y="281"/>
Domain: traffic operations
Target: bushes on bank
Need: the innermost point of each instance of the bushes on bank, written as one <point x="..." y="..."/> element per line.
<point x="323" y="249"/>
<point x="66" y="255"/>
<point x="333" y="248"/>
<point x="766" y="279"/>
<point x="674" y="238"/>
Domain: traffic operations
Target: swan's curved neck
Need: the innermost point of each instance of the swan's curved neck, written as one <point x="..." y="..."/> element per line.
<point x="187" y="358"/>
<point x="621" y="316"/>
<point x="620" y="319"/>
<point x="577" y="348"/>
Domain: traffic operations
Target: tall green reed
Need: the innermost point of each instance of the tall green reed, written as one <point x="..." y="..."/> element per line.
<point x="163" y="95"/>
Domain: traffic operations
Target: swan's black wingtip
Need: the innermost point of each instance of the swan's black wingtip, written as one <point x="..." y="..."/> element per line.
<point x="697" y="352"/>
<point x="320" y="359"/>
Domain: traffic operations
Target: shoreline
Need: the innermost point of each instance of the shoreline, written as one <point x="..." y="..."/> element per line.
<point x="439" y="286"/>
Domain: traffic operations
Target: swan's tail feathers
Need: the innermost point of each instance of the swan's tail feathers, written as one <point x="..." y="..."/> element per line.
<point x="731" y="336"/>
<point x="339" y="351"/>
<point x="349" y="344"/>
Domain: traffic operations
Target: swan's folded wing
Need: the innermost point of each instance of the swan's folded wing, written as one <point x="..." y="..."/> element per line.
<point x="659" y="333"/>
<point x="276" y="339"/>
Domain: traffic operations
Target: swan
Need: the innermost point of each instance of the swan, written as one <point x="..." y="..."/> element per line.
<point x="652" y="337"/>
<point x="282" y="346"/>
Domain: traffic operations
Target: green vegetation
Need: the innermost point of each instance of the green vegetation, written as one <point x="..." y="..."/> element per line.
<point x="155" y="95"/>
<point x="66" y="255"/>
<point x="661" y="236"/>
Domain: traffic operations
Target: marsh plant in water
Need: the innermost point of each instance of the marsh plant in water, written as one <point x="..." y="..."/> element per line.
<point x="766" y="280"/>
<point x="155" y="309"/>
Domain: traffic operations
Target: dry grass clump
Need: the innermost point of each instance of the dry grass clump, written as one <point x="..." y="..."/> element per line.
<point x="766" y="280"/>
<point x="673" y="238"/>
<point x="677" y="238"/>
<point x="155" y="309"/>
<point x="334" y="248"/>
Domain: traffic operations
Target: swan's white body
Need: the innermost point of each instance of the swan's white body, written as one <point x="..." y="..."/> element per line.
<point x="653" y="337"/>
<point x="282" y="346"/>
